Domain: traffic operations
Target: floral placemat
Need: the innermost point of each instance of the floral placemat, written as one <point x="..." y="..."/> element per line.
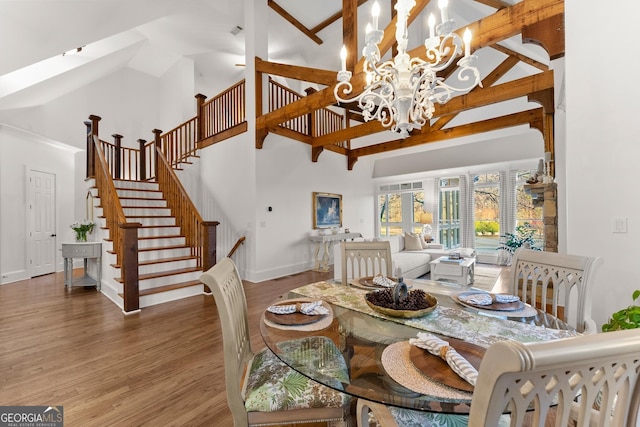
<point x="454" y="322"/>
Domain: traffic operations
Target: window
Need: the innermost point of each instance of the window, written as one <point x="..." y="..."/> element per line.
<point x="487" y="200"/>
<point x="449" y="218"/>
<point x="526" y="211"/>
<point x="399" y="208"/>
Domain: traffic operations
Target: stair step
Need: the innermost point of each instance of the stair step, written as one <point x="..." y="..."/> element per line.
<point x="167" y="288"/>
<point x="164" y="260"/>
<point x="162" y="248"/>
<point x="163" y="274"/>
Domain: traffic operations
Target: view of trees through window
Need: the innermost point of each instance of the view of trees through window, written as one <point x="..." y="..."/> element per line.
<point x="525" y="209"/>
<point x="487" y="199"/>
<point x="401" y="206"/>
<point x="449" y="218"/>
<point x="400" y="212"/>
<point x="486" y="188"/>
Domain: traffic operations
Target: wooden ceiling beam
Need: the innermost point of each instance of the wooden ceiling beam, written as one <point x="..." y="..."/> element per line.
<point x="549" y="34"/>
<point x="293" y="21"/>
<point x="521" y="57"/>
<point x="474" y="99"/>
<point x="498" y="4"/>
<point x="506" y="23"/>
<point x="503" y="122"/>
<point x="488" y="81"/>
<point x="490" y="30"/>
<point x="305" y="74"/>
<point x="350" y="31"/>
<point x="333" y="18"/>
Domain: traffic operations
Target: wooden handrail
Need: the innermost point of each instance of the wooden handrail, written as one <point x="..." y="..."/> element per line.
<point x="236" y="246"/>
<point x="125" y="241"/>
<point x="187" y="217"/>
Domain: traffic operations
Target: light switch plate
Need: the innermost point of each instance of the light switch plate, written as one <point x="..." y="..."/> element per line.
<point x="619" y="224"/>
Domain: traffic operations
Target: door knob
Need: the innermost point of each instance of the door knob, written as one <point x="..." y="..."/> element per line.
<point x="53" y="235"/>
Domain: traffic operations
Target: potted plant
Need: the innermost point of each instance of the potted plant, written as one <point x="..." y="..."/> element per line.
<point x="627" y="318"/>
<point x="523" y="236"/>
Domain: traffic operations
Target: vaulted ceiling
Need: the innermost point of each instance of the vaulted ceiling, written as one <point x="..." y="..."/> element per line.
<point x="151" y="35"/>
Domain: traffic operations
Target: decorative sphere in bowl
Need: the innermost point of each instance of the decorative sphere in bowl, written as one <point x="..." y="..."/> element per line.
<point x="417" y="304"/>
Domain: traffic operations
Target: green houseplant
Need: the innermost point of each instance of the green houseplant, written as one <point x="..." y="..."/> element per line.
<point x="627" y="318"/>
<point x="522" y="236"/>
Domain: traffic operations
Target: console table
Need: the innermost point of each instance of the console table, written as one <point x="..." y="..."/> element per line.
<point x="323" y="246"/>
<point x="85" y="250"/>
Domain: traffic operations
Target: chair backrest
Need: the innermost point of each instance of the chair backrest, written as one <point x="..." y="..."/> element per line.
<point x="559" y="284"/>
<point x="591" y="379"/>
<point x="225" y="283"/>
<point x="363" y="259"/>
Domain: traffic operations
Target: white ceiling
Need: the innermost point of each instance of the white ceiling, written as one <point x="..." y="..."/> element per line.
<point x="151" y="35"/>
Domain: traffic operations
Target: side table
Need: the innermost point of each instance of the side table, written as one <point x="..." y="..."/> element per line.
<point x="460" y="272"/>
<point x="85" y="250"/>
<point x="323" y="246"/>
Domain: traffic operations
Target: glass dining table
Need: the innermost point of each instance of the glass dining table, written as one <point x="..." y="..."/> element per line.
<point x="383" y="366"/>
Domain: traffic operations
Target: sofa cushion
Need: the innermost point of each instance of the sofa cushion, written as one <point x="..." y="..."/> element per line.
<point x="396" y="242"/>
<point x="412" y="242"/>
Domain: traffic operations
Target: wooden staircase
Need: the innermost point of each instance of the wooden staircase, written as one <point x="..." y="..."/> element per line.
<point x="167" y="269"/>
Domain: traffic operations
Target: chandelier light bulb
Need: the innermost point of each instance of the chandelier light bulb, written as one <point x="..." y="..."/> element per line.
<point x="442" y="4"/>
<point x="466" y="37"/>
<point x="343" y="57"/>
<point x="375" y="13"/>
<point x="432" y="25"/>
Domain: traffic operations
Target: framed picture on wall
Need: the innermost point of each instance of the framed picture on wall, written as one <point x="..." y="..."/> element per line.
<point x="327" y="210"/>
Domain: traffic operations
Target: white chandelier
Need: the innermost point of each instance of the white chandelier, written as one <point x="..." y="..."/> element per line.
<point x="401" y="93"/>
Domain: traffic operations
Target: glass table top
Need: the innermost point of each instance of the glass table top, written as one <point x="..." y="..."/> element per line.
<point x="381" y="365"/>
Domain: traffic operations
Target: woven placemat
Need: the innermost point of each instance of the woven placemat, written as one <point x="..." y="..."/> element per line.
<point x="323" y="323"/>
<point x="397" y="363"/>
<point x="525" y="312"/>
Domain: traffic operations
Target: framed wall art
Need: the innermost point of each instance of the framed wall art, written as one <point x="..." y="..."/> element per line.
<point x="327" y="210"/>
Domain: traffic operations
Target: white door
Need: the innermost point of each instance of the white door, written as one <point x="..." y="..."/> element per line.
<point x="42" y="222"/>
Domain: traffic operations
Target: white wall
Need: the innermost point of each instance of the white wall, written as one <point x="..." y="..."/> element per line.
<point x="20" y="152"/>
<point x="286" y="179"/>
<point x="130" y="103"/>
<point x="602" y="149"/>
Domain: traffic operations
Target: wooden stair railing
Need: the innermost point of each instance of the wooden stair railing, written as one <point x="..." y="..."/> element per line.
<point x="123" y="234"/>
<point x="236" y="246"/>
<point x="200" y="235"/>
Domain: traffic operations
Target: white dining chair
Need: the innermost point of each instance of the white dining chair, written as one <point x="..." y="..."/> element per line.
<point x="261" y="389"/>
<point x="560" y="284"/>
<point x="589" y="380"/>
<point x="364" y="259"/>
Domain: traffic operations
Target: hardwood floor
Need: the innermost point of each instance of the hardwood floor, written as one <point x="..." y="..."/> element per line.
<point x="161" y="367"/>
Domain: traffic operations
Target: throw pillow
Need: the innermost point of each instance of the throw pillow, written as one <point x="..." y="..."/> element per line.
<point x="412" y="242"/>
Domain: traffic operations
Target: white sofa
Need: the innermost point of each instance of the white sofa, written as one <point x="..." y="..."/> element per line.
<point x="413" y="264"/>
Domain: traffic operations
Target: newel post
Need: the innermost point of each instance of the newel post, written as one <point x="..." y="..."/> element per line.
<point x="209" y="247"/>
<point x="118" y="156"/>
<point x="157" y="141"/>
<point x="129" y="266"/>
<point x="311" y="117"/>
<point x="200" y="99"/>
<point x="143" y="160"/>
<point x="92" y="129"/>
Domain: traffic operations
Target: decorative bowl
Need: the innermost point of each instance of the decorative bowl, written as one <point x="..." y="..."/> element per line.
<point x="406" y="314"/>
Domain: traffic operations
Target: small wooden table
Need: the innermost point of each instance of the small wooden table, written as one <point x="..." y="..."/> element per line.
<point x="460" y="272"/>
<point x="85" y="250"/>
